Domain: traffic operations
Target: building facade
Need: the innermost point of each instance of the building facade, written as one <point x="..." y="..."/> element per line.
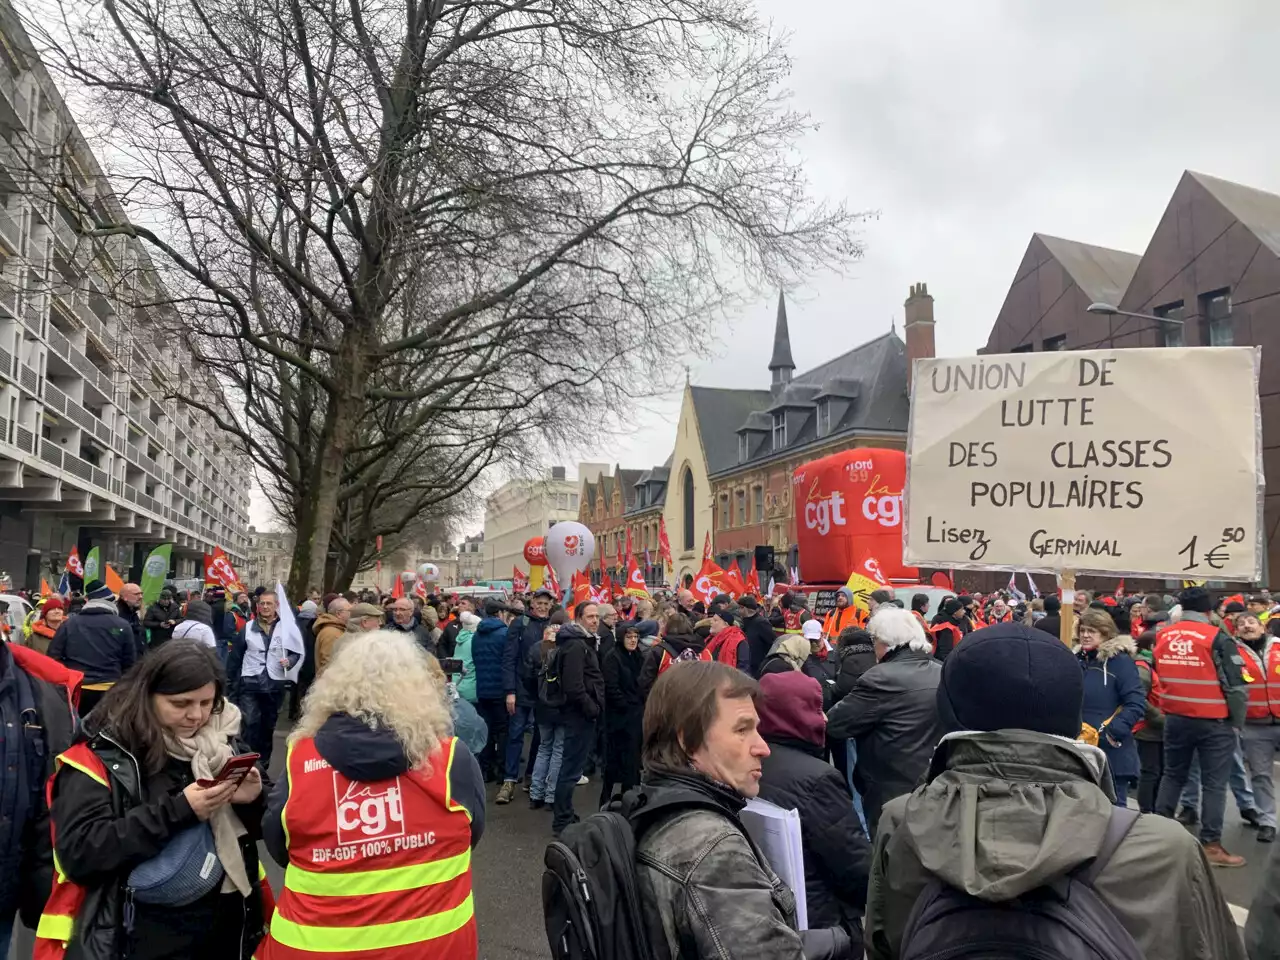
<point x="1210" y="276"/>
<point x="409" y="559"/>
<point x="270" y="554"/>
<point x="91" y="452"/>
<point x="471" y="559"/>
<point x="522" y="509"/>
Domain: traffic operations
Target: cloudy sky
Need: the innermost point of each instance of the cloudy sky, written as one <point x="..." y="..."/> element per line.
<point x="970" y="126"/>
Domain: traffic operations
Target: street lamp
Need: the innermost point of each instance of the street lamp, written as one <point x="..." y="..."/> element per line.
<point x="1112" y="311"/>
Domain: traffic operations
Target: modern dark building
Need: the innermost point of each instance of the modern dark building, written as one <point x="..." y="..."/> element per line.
<point x="1212" y="263"/>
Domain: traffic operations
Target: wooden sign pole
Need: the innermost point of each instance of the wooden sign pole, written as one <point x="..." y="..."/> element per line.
<point x="1066" y="616"/>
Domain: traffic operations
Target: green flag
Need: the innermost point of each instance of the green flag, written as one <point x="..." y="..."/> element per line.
<point x="92" y="566"/>
<point x="154" y="572"/>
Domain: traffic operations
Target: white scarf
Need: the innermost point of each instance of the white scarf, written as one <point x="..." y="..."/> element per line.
<point x="208" y="751"/>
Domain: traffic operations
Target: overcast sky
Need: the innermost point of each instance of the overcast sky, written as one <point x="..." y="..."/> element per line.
<point x="970" y="126"/>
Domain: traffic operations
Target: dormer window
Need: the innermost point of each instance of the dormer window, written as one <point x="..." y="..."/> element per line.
<point x="744" y="447"/>
<point x="824" y="417"/>
<point x="779" y="430"/>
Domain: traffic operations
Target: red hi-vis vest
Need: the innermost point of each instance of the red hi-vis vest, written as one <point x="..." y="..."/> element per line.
<point x="376" y="870"/>
<point x="1186" y="675"/>
<point x="945" y="626"/>
<point x="54" y="933"/>
<point x="1262" y="673"/>
<point x="791" y="621"/>
<point x="723" y="647"/>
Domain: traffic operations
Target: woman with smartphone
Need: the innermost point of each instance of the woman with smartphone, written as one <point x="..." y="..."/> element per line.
<point x="155" y="864"/>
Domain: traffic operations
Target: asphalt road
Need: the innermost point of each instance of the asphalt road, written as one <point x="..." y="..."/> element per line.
<point x="507" y="873"/>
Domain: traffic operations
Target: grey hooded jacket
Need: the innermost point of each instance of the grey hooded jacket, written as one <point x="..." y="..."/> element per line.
<point x="1004" y="812"/>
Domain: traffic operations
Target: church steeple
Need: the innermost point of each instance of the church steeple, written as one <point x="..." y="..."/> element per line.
<point x="781" y="365"/>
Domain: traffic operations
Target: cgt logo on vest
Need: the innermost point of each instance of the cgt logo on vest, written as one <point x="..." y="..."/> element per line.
<point x="1182" y="646"/>
<point x="366" y="812"/>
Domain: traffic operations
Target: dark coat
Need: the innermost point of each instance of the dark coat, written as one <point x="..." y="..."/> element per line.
<point x="130" y="616"/>
<point x="624" y="703"/>
<point x="837" y="857"/>
<point x="1111" y="684"/>
<point x="760" y="637"/>
<point x="854" y="660"/>
<point x="104" y="833"/>
<point x="523" y="635"/>
<point x="96" y="642"/>
<point x="486" y="656"/>
<point x="158" y="614"/>
<point x="1050" y="623"/>
<point x="580" y="678"/>
<point x="653" y="657"/>
<point x="366" y="755"/>
<point x="892" y="712"/>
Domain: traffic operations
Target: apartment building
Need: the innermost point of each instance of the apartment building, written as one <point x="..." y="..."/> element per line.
<point x="471" y="559"/>
<point x="270" y="553"/>
<point x="91" y="452"/>
<point x="522" y="509"/>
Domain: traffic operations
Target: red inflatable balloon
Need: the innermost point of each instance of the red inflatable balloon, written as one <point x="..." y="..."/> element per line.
<point x="848" y="510"/>
<point x="535" y="553"/>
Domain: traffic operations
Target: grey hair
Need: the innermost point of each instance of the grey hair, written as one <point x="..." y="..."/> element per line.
<point x="336" y="605"/>
<point x="894" y="627"/>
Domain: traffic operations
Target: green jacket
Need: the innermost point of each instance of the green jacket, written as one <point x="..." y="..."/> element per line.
<point x="1002" y="813"/>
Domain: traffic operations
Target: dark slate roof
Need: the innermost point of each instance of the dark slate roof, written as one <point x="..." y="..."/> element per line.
<point x="653" y="477"/>
<point x="628" y="478"/>
<point x="1256" y="209"/>
<point x="1102" y="273"/>
<point x="720" y="413"/>
<point x="781" y="339"/>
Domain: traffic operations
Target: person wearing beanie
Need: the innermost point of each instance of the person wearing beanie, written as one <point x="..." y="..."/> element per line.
<point x="843" y="616"/>
<point x="52" y="612"/>
<point x="96" y="642"/>
<point x="759" y="631"/>
<point x="796" y="776"/>
<point x="466" y="681"/>
<point x="1011" y="802"/>
<point x="1205" y="699"/>
<point x="891" y="712"/>
<point x="197" y="626"/>
<point x="949" y="626"/>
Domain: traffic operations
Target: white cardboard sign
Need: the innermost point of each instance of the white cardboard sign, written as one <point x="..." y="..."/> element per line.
<point x="1145" y="462"/>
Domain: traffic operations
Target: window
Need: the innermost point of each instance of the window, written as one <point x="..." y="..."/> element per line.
<point x="1171" y="334"/>
<point x="824" y="417"/>
<point x="779" y="431"/>
<point x="1219" y="329"/>
<point x="757" y="494"/>
<point x="1056" y="343"/>
<point x="725" y="521"/>
<point x="573" y="501"/>
<point x="740" y="508"/>
<point x="686" y="484"/>
<point x="1023" y="348"/>
<point x="744" y="447"/>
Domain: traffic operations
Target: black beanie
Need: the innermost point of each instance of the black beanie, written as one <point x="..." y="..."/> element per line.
<point x="1196" y="600"/>
<point x="1010" y="676"/>
<point x="1052" y="604"/>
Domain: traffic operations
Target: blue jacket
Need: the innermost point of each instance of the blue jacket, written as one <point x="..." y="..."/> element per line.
<point x="1111" y="683"/>
<point x="95" y="641"/>
<point x="486" y="657"/>
<point x="523" y="635"/>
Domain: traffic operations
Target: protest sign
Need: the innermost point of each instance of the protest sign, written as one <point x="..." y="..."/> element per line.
<point x="1140" y="462"/>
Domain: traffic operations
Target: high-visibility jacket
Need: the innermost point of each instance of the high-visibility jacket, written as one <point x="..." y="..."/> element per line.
<point x="938" y="629"/>
<point x="377" y="870"/>
<point x="1186" y="674"/>
<point x="792" y="621"/>
<point x="921" y="620"/>
<point x="1262" y="673"/>
<point x="57" y="923"/>
<point x="840" y="619"/>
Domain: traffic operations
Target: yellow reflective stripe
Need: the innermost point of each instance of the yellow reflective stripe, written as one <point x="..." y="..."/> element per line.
<point x="379" y="936"/>
<point x="448" y="783"/>
<point x="288" y="793"/>
<point x="57" y="867"/>
<point x="85" y="770"/>
<point x="367" y="882"/>
<point x="55" y="927"/>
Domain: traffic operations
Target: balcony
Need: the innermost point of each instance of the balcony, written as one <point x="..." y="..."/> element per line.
<point x="31" y="318"/>
<point x="6" y="363"/>
<point x="91" y="373"/>
<point x="9" y="298"/>
<point x="55" y="399"/>
<point x="15" y="98"/>
<point x="57" y="340"/>
<point x="29" y="379"/>
<point x="26" y="440"/>
<point x="10" y="233"/>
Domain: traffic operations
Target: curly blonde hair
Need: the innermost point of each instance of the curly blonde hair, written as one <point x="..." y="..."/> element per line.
<point x="384" y="679"/>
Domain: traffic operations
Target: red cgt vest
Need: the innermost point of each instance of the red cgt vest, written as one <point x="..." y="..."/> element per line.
<point x="376" y="870"/>
<point x="1185" y="672"/>
<point x="1263" y="676"/>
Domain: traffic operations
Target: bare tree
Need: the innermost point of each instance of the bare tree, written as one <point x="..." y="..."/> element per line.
<point x="412" y="238"/>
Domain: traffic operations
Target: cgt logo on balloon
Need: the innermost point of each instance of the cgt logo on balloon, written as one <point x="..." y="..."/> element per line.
<point x="848" y="508"/>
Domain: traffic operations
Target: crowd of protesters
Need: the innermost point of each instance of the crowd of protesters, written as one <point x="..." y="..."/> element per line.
<point x="963" y="748"/>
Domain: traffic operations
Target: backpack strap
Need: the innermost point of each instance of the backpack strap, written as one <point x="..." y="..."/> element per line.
<point x="1122" y="820"/>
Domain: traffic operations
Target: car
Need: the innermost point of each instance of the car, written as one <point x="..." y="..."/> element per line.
<point x="17" y="613"/>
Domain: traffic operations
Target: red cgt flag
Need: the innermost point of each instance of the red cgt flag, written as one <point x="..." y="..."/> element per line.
<point x="636" y="586"/>
<point x="221" y="571"/>
<point x="519" y="582"/>
<point x="706" y="549"/>
<point x="709" y="581"/>
<point x="753" y="578"/>
<point x="664" y="545"/>
<point x="397" y="588"/>
<point x="581" y="586"/>
<point x="74" y="565"/>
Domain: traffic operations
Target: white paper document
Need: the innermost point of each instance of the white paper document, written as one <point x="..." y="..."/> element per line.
<point x="777" y="833"/>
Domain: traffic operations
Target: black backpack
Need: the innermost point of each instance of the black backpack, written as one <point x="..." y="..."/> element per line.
<point x="590" y="897"/>
<point x="550" y="691"/>
<point x="1064" y="920"/>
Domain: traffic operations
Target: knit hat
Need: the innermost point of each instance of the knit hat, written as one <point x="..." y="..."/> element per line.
<point x="790" y="706"/>
<point x="469" y="620"/>
<point x="200" y="612"/>
<point x="950" y="606"/>
<point x="1235" y="606"/>
<point x="749" y="602"/>
<point x="97" y="590"/>
<point x="1052" y="604"/>
<point x="51" y="603"/>
<point x="1010" y="676"/>
<point x="307" y="610"/>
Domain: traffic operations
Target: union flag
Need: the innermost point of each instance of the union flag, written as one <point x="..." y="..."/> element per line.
<point x="519" y="582"/>
<point x="74" y="565"/>
<point x="636" y="586"/>
<point x="664" y="545"/>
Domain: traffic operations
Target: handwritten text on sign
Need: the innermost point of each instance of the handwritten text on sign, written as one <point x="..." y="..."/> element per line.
<point x="1107" y="461"/>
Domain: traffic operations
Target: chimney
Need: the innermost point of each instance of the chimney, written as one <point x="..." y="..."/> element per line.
<point x="918" y="327"/>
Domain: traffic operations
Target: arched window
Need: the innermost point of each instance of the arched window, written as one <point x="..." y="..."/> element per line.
<point x="687" y="484"/>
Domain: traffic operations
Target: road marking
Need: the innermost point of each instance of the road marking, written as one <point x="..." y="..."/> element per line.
<point x="1239" y="913"/>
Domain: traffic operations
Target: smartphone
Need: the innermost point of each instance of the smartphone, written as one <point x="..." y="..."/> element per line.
<point x="235" y="769"/>
<point x="451" y="665"/>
